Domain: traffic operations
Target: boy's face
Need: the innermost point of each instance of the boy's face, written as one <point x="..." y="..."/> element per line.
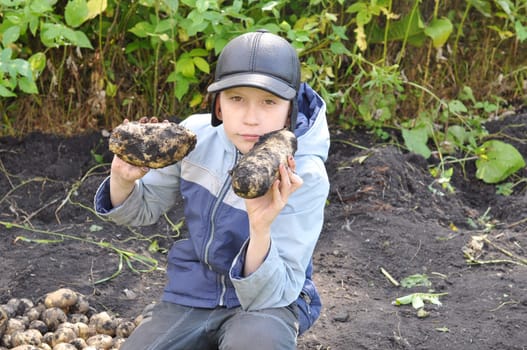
<point x="248" y="113"/>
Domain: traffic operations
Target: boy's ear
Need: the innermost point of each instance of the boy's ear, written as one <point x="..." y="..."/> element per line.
<point x="217" y="109"/>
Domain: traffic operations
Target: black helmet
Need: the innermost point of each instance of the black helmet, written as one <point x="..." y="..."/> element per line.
<point x="262" y="60"/>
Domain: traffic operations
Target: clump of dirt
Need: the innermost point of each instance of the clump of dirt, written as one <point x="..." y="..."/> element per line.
<point x="386" y="216"/>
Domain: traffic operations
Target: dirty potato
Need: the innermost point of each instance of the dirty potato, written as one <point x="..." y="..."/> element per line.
<point x="152" y="145"/>
<point x="53" y="317"/>
<point x="63" y="335"/>
<point x="100" y="341"/>
<point x="62" y="298"/>
<point x="14" y="325"/>
<point x="79" y="343"/>
<point x="258" y="169"/>
<point x="27" y="337"/>
<point x="103" y="323"/>
<point x="124" y="329"/>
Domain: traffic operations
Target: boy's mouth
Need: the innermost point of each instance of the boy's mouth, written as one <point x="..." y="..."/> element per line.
<point x="250" y="137"/>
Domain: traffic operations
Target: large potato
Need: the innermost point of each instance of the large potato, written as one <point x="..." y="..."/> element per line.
<point x="152" y="145"/>
<point x="258" y="169"/>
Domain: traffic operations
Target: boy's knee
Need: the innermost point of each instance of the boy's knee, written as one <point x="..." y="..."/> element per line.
<point x="258" y="331"/>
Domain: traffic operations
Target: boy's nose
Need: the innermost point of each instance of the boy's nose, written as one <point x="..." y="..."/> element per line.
<point x="252" y="115"/>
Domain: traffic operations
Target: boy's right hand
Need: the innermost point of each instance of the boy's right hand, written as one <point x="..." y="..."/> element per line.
<point x="126" y="172"/>
<point x="122" y="179"/>
<point x="123" y="175"/>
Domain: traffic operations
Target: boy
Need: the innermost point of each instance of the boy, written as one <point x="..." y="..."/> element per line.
<point x="242" y="280"/>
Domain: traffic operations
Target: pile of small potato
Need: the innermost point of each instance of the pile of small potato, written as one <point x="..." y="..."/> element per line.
<point x="62" y="320"/>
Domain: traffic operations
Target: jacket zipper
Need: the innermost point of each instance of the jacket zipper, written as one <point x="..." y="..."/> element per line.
<point x="219" y="200"/>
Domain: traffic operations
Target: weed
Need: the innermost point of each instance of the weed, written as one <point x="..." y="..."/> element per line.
<point x="149" y="264"/>
<point x="417" y="300"/>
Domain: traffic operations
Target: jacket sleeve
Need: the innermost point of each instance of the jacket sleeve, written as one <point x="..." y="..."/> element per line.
<point x="294" y="234"/>
<point x="152" y="196"/>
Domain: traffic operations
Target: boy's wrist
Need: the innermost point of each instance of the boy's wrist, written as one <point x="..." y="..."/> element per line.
<point x="120" y="189"/>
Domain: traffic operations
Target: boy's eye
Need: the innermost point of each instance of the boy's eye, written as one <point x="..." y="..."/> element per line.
<point x="236" y="98"/>
<point x="269" y="102"/>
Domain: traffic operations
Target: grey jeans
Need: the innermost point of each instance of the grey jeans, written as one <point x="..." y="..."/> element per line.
<point x="170" y="326"/>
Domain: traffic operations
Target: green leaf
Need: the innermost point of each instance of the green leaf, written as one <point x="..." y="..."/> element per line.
<point x="457" y="135"/>
<point x="185" y="66"/>
<point x="521" y="31"/>
<point x="196" y="100"/>
<point x="416" y="280"/>
<point x="182" y="87"/>
<point x="10" y="35"/>
<point x="76" y="13"/>
<point x="497" y="161"/>
<point x="42" y="7"/>
<point x="466" y="94"/>
<point x="418" y="299"/>
<point x="142" y="29"/>
<point x="416" y="141"/>
<point x="27" y="85"/>
<point x="363" y="18"/>
<point x="407" y="299"/>
<point x="54" y="35"/>
<point x="338" y="48"/>
<point x="439" y="30"/>
<point x="199" y="52"/>
<point x="4" y="92"/>
<point x="505" y="5"/>
<point x="202" y="5"/>
<point x="505" y="189"/>
<point x="172" y="77"/>
<point x="269" y="6"/>
<point x="409" y="27"/>
<point x="80" y="39"/>
<point x="456" y="107"/>
<point x="201" y="64"/>
<point x="21" y="67"/>
<point x="95" y="228"/>
<point x="153" y="247"/>
<point x="96" y="7"/>
<point x="483" y="6"/>
<point x="37" y="62"/>
<point x="357" y="7"/>
<point x="111" y="89"/>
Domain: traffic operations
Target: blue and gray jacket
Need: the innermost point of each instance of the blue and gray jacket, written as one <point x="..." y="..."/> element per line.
<point x="205" y="270"/>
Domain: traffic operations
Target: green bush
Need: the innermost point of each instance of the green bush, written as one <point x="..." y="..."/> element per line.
<point x="378" y="63"/>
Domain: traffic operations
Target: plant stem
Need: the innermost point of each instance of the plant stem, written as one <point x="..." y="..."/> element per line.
<point x="389" y="277"/>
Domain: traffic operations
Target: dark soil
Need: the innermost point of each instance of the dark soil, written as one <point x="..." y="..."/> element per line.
<point x="384" y="212"/>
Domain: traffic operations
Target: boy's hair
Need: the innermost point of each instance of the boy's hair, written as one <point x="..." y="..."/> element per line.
<point x="262" y="60"/>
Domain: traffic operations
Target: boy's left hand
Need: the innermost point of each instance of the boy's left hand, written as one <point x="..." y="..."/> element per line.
<point x="263" y="210"/>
